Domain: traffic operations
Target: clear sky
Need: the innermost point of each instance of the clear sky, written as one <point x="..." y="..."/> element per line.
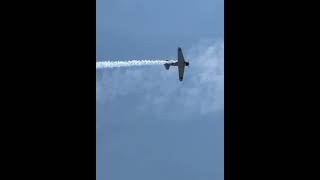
<point x="149" y="124"/>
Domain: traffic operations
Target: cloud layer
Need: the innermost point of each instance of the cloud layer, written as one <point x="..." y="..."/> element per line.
<point x="152" y="89"/>
<point x="152" y="126"/>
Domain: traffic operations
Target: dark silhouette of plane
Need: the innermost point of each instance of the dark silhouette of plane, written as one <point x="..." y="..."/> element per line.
<point x="181" y="64"/>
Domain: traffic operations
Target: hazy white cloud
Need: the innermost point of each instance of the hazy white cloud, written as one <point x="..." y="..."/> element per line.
<point x="155" y="90"/>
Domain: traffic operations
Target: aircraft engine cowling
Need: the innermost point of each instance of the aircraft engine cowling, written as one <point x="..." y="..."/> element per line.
<point x="187" y="63"/>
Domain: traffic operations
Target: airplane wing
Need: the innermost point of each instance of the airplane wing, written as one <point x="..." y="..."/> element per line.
<point x="180" y="55"/>
<point x="181" y="64"/>
<point x="181" y="71"/>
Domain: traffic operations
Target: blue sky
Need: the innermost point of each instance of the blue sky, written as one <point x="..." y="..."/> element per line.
<point x="150" y="125"/>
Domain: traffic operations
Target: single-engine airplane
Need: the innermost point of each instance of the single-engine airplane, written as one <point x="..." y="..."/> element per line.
<point x="181" y="64"/>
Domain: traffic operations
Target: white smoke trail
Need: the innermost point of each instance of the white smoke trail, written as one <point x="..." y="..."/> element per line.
<point x="113" y="64"/>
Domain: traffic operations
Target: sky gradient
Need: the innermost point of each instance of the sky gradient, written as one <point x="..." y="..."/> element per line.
<point x="149" y="124"/>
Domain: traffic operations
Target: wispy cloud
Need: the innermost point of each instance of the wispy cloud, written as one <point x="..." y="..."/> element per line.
<point x="153" y="89"/>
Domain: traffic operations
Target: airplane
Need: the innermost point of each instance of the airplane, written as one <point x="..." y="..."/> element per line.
<point x="181" y="63"/>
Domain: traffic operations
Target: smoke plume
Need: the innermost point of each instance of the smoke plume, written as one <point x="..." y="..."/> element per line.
<point x="113" y="64"/>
